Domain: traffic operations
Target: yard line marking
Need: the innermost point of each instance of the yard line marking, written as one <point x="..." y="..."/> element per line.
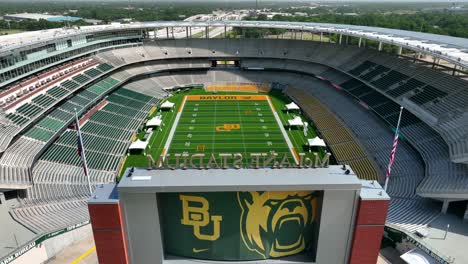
<point x="242" y="131"/>
<point x="271" y="104"/>
<point x="295" y="153"/>
<point x="80" y="258"/>
<point x="213" y="135"/>
<point x="182" y="104"/>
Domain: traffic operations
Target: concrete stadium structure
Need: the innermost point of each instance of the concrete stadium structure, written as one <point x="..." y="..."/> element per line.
<point x="45" y="75"/>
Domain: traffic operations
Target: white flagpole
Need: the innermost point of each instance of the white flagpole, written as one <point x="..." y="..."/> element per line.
<point x="389" y="169"/>
<point x="83" y="157"/>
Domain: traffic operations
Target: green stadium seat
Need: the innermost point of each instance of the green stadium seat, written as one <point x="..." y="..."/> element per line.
<point x="51" y="124"/>
<point x="93" y="73"/>
<point x="104" y="67"/>
<point x="80" y="78"/>
<point x="29" y="110"/>
<point x="17" y="119"/>
<point x="69" y="85"/>
<point x="57" y="92"/>
<point x="43" y="100"/>
<point x="39" y="134"/>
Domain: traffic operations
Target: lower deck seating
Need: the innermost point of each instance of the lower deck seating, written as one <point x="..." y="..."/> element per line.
<point x="343" y="145"/>
<point x="408" y="171"/>
<point x="52" y="216"/>
<point x="125" y="110"/>
<point x="17" y="161"/>
<point x="442" y="176"/>
<point x="58" y="196"/>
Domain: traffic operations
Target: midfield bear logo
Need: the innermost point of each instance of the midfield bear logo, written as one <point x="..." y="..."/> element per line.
<point x="199" y="216"/>
<point x="228" y="127"/>
<point x="277" y="224"/>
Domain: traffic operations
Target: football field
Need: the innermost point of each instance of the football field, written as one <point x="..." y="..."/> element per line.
<point x="228" y="124"/>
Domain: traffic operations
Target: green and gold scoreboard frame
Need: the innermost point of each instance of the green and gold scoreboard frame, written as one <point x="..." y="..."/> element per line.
<point x="184" y="216"/>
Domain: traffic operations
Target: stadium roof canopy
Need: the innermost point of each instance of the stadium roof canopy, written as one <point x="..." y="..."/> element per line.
<point x="452" y="49"/>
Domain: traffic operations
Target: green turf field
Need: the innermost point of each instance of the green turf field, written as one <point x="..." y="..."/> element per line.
<point x="228" y="126"/>
<point x="201" y="136"/>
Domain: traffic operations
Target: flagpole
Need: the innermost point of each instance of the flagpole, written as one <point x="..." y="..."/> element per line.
<point x="392" y="156"/>
<point x="83" y="157"/>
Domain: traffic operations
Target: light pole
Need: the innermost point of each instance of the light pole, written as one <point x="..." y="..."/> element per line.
<point x="446" y="231"/>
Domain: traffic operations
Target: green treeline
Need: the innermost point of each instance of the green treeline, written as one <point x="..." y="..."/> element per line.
<point x="37" y="25"/>
<point x="437" y="22"/>
<point x="431" y="18"/>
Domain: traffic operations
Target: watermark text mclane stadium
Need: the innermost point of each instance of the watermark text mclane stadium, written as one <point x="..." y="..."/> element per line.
<point x="237" y="161"/>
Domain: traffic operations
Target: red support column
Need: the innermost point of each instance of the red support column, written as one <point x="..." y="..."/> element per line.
<point x="369" y="226"/>
<point x="106" y="220"/>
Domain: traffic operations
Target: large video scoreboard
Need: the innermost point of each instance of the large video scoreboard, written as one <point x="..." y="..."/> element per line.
<point x="293" y="215"/>
<point x="244" y="225"/>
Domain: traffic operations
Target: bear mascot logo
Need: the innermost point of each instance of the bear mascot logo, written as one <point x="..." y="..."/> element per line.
<point x="277" y="224"/>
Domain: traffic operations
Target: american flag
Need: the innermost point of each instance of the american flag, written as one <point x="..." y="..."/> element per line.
<point x="392" y="155"/>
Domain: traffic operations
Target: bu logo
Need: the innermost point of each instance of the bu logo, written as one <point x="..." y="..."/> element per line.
<point x="227" y="127"/>
<point x="195" y="213"/>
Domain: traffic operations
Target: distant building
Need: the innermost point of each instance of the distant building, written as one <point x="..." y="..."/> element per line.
<point x="300" y="14"/>
<point x="350" y="14"/>
<point x="457" y="9"/>
<point x="125" y="20"/>
<point x="93" y="21"/>
<point x="37" y="17"/>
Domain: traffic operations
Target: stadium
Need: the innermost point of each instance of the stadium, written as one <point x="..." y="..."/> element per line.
<point x="154" y="102"/>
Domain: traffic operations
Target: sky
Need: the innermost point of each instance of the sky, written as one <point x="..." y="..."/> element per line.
<point x="223" y="1"/>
